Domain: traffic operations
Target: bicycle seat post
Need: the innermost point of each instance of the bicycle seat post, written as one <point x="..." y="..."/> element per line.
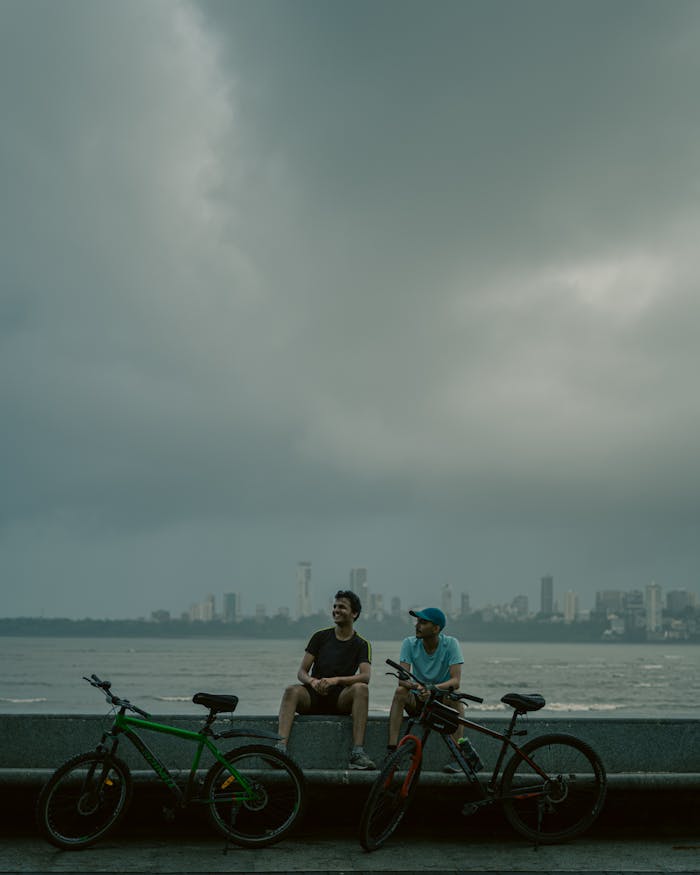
<point x="211" y="717"/>
<point x="513" y="720"/>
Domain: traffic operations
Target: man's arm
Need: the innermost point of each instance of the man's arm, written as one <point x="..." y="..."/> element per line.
<point x="303" y="675"/>
<point x="454" y="680"/>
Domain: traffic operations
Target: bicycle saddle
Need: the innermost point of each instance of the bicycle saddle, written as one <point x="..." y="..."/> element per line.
<point x="215" y="702"/>
<point x="522" y="702"/>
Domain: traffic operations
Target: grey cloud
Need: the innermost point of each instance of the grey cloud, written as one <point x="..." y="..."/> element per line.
<point x="327" y="279"/>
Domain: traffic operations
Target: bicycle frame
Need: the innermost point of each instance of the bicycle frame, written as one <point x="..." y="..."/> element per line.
<point x="490" y="790"/>
<point x="204" y="739"/>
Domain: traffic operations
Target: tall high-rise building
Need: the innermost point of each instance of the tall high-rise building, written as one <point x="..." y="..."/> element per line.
<point x="634" y="611"/>
<point x="464" y="606"/>
<point x="677" y="600"/>
<point x="547" y="595"/>
<point x="654" y="607"/>
<point x="304" y="589"/>
<point x="395" y="606"/>
<point x="204" y="611"/>
<point x="232" y="607"/>
<point x="376" y="606"/>
<point x="570" y="607"/>
<point x="446" y="600"/>
<point x="609" y="601"/>
<point x="359" y="585"/>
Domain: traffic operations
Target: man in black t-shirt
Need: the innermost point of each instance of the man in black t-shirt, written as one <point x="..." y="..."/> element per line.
<point x="333" y="678"/>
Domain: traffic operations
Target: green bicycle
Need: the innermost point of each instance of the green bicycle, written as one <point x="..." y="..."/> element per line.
<point x="255" y="794"/>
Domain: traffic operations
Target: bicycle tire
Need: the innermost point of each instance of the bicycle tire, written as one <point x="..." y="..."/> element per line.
<point x="390" y="796"/>
<point x="567" y="804"/>
<point x="83" y="800"/>
<point x="277" y="804"/>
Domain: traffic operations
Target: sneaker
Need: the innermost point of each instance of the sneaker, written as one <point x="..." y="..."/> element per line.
<point x="360" y="760"/>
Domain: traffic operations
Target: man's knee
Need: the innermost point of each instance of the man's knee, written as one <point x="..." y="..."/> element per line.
<point x="360" y="692"/>
<point x="357" y="693"/>
<point x="401" y="695"/>
<point x="296" y="695"/>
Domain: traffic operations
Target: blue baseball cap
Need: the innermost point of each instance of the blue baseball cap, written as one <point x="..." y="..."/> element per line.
<point x="432" y="615"/>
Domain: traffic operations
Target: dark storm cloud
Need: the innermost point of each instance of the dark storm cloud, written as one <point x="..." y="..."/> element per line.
<point x="386" y="284"/>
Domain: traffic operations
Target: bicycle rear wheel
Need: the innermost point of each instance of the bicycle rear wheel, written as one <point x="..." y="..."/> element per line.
<point x="565" y="804"/>
<point x="83" y="800"/>
<point x="268" y="808"/>
<point x="390" y="796"/>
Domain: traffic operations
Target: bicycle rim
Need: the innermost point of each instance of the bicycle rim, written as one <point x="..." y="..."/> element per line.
<point x="268" y="808"/>
<point x="565" y="804"/>
<point x="83" y="800"/>
<point x="390" y="796"/>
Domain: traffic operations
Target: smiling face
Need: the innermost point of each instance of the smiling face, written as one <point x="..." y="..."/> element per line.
<point x="342" y="612"/>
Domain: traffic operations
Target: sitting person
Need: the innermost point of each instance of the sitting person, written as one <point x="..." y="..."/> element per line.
<point x="436" y="659"/>
<point x="333" y="678"/>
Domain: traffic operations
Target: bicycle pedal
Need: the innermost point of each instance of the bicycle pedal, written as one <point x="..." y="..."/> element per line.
<point x="469" y="808"/>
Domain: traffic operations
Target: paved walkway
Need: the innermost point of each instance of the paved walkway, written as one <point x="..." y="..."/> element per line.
<point x="168" y="849"/>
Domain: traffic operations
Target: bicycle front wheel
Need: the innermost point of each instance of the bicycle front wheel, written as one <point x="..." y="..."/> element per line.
<point x="83" y="800"/>
<point x="258" y="798"/>
<point x="565" y="803"/>
<point x="390" y="796"/>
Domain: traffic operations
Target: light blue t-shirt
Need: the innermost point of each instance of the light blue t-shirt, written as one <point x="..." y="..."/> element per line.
<point x="434" y="667"/>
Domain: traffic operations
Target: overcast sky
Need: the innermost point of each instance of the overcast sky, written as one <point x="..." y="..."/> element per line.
<point x="404" y="285"/>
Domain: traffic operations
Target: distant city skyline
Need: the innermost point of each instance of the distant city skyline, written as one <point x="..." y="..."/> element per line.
<point x="648" y="602"/>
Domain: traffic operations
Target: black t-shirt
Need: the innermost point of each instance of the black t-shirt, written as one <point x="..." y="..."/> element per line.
<point x="333" y="658"/>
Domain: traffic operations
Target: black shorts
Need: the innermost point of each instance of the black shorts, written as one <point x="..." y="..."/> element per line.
<point x="324" y="704"/>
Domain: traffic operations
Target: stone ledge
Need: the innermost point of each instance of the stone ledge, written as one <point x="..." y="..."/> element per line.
<point x="34" y="779"/>
<point x="628" y="747"/>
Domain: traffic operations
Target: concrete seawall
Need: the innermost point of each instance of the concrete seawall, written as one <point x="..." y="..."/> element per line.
<point x="639" y="754"/>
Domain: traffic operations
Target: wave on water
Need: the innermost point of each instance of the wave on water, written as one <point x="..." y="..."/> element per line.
<point x="173" y="698"/>
<point x="575" y="706"/>
<point x="23" y="701"/>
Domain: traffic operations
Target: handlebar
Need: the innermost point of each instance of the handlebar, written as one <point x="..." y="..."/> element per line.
<point x="403" y="674"/>
<point x="114" y="700"/>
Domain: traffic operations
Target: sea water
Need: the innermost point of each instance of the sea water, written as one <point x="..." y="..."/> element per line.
<point x="44" y="675"/>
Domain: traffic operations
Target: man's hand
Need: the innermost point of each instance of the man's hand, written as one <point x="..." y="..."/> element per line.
<point x="421" y="692"/>
<point x="323" y="685"/>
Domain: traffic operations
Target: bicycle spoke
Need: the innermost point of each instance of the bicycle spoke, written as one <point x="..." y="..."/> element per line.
<point x="261" y="801"/>
<point x="561" y="805"/>
<point x="83" y="800"/>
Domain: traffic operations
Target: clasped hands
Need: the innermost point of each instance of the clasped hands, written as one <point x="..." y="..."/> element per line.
<point x="323" y="685"/>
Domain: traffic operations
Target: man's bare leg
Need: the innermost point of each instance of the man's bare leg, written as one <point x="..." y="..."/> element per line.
<point x="402" y="697"/>
<point x="295" y="700"/>
<point x="355" y="700"/>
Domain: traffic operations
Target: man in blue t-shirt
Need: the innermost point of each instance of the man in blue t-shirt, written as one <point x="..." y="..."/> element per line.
<point x="433" y="657"/>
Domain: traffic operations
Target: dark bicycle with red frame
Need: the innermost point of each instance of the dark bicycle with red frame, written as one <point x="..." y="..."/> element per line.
<point x="552" y="788"/>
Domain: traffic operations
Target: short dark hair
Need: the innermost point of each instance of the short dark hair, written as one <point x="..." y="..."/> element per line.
<point x="355" y="603"/>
